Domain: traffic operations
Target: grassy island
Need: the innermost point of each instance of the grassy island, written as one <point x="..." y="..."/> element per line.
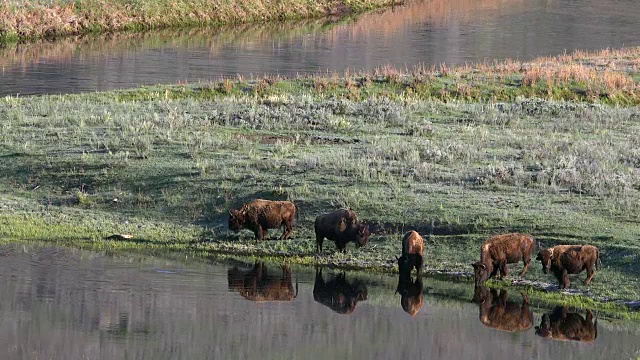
<point x="549" y="147"/>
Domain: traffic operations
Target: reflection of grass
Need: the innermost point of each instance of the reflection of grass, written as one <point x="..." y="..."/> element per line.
<point x="28" y="20"/>
<point x="166" y="163"/>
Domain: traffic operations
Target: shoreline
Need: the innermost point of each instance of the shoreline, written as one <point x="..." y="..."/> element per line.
<point x="166" y="163"/>
<point x="31" y="21"/>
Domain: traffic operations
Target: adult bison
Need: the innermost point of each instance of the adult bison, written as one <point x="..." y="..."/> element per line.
<point x="260" y="215"/>
<point x="338" y="294"/>
<point x="568" y="326"/>
<point x="412" y="251"/>
<point x="563" y="260"/>
<point x="257" y="284"/>
<point x="498" y="313"/>
<point x="500" y="250"/>
<point x="341" y="226"/>
<point x="410" y="293"/>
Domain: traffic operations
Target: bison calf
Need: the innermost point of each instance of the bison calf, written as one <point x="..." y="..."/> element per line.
<point x="563" y="260"/>
<point x="412" y="250"/>
<point x="500" y="250"/>
<point x="499" y="313"/>
<point x="341" y="226"/>
<point x="260" y="215"/>
<point x="564" y="325"/>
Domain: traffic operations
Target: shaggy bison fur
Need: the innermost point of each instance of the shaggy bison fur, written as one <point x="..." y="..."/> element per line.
<point x="341" y="226"/>
<point x="563" y="260"/>
<point x="412" y="250"/>
<point x="260" y="215"/>
<point x="500" y="250"/>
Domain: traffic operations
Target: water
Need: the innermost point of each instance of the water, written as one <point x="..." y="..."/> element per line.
<point x="60" y="303"/>
<point x="428" y="32"/>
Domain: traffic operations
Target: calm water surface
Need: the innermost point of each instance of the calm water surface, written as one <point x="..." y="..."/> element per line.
<point x="67" y="304"/>
<point x="428" y="32"/>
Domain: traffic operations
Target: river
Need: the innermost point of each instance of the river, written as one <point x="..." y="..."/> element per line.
<point x="430" y="32"/>
<point x="60" y="303"/>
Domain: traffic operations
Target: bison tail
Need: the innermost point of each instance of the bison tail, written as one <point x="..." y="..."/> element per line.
<point x="598" y="262"/>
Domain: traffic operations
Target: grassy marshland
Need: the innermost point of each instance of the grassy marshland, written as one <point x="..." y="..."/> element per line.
<point x="166" y="163"/>
<point x="28" y="20"/>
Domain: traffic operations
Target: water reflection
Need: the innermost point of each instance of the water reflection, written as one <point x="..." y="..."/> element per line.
<point x="338" y="294"/>
<point x="568" y="326"/>
<point x="257" y="284"/>
<point x="497" y="312"/>
<point x="410" y="293"/>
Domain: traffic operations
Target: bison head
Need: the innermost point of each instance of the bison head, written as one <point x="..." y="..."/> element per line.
<point x="236" y="220"/>
<point x="545" y="256"/>
<point x="481" y="272"/>
<point x="362" y="235"/>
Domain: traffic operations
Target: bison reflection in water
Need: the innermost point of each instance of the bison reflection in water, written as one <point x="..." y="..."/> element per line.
<point x="338" y="294"/>
<point x="410" y="293"/>
<point x="499" y="313"/>
<point x="257" y="284"/>
<point x="564" y="325"/>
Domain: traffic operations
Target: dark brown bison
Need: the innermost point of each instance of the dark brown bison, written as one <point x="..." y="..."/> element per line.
<point x="410" y="293"/>
<point x="563" y="260"/>
<point x="341" y="226"/>
<point x="563" y="325"/>
<point x="500" y="250"/>
<point x="257" y="284"/>
<point x="338" y="294"/>
<point x="260" y="215"/>
<point x="498" y="313"/>
<point x="412" y="250"/>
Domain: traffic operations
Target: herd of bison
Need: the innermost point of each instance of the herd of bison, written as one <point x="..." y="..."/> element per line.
<point x="342" y="227"/>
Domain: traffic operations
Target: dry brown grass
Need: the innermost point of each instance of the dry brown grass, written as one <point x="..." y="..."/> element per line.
<point x="34" y="19"/>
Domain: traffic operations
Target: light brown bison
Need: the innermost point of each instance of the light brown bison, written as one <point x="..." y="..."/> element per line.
<point x="500" y="250"/>
<point x="257" y="284"/>
<point x="341" y="226"/>
<point x="565" y="326"/>
<point x="338" y="294"/>
<point x="563" y="260"/>
<point x="260" y="215"/>
<point x="498" y="313"/>
<point x="412" y="250"/>
<point x="410" y="293"/>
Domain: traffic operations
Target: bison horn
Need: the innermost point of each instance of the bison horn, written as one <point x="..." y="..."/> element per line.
<point x="483" y="266"/>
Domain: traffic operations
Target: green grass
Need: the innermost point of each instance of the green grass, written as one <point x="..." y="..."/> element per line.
<point x="166" y="163"/>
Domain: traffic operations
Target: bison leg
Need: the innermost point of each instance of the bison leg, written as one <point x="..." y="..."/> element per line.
<point x="260" y="233"/>
<point x="319" y="240"/>
<point x="564" y="280"/>
<point x="590" y="274"/>
<point x="526" y="261"/>
<point x="503" y="270"/>
<point x="288" y="227"/>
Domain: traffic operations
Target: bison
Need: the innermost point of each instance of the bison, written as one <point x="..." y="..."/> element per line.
<point x="341" y="226"/>
<point x="412" y="249"/>
<point x="257" y="284"/>
<point x="563" y="260"/>
<point x="563" y="325"/>
<point x="260" y="215"/>
<point x="500" y="250"/>
<point x="498" y="313"/>
<point x="338" y="294"/>
<point x="410" y="293"/>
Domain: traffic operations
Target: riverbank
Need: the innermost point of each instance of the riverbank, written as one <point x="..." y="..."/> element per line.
<point x="166" y="163"/>
<point x="31" y="20"/>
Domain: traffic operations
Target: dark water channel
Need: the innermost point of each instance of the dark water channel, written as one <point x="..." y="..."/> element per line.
<point x="59" y="303"/>
<point x="429" y="32"/>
